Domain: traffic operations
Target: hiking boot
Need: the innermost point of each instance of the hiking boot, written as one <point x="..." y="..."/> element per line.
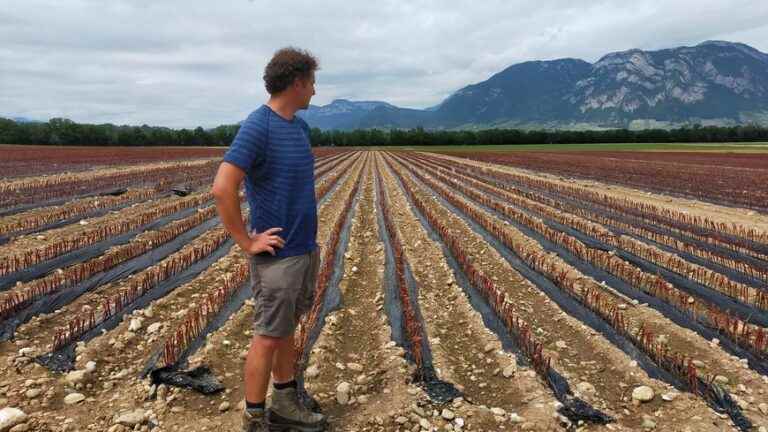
<point x="287" y="413"/>
<point x="254" y="420"/>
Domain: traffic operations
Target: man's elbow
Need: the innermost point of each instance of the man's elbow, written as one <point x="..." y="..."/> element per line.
<point x="221" y="190"/>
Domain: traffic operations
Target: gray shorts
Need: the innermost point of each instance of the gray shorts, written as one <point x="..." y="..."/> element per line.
<point x="283" y="290"/>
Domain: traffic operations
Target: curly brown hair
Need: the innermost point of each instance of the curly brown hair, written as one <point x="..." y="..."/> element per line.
<point x="286" y="65"/>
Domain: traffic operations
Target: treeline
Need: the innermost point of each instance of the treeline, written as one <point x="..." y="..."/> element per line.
<point x="421" y="137"/>
<point x="60" y="131"/>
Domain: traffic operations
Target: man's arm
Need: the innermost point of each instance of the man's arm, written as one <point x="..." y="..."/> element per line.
<point x="225" y="189"/>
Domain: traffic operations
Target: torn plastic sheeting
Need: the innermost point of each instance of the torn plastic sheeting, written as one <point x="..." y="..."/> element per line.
<point x="195" y="379"/>
<point x="56" y="300"/>
<point x="96" y="213"/>
<point x="723" y="403"/>
<point x="64" y="359"/>
<point x="58" y="201"/>
<point x="573" y="408"/>
<point x="90" y="251"/>
<point x="201" y="379"/>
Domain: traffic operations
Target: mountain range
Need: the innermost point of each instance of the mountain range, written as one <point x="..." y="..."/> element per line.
<point x="713" y="83"/>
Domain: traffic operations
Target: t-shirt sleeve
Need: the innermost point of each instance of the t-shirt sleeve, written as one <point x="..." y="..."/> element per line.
<point x="249" y="147"/>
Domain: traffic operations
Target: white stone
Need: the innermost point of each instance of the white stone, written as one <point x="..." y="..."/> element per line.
<point x="10" y="417"/>
<point x="425" y="424"/>
<point x="135" y="324"/>
<point x="76" y="377"/>
<point x="669" y="396"/>
<point x="447" y="414"/>
<point x="132" y="418"/>
<point x="514" y="418"/>
<point x="356" y="367"/>
<point x="312" y="371"/>
<point x="509" y="371"/>
<point x="154" y="327"/>
<point x="498" y="411"/>
<point x="224" y="406"/>
<point x="342" y="392"/>
<point x="585" y="388"/>
<point x="642" y="394"/>
<point x="74" y="398"/>
<point x="90" y="366"/>
<point x="33" y="393"/>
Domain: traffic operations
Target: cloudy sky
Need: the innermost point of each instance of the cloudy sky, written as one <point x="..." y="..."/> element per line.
<point x="184" y="63"/>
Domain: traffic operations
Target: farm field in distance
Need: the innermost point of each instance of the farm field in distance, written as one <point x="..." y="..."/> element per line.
<point x="592" y="288"/>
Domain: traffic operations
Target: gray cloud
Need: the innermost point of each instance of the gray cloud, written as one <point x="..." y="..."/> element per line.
<point x="193" y="62"/>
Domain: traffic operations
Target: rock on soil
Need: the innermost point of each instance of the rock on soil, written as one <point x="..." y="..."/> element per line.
<point x="9" y="417"/>
<point x="642" y="394"/>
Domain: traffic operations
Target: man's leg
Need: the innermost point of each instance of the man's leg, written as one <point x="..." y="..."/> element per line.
<point x="284" y="360"/>
<point x="258" y="365"/>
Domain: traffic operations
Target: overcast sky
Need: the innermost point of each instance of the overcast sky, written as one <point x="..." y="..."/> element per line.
<point x="185" y="63"/>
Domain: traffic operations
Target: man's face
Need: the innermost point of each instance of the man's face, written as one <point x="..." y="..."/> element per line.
<point x="306" y="89"/>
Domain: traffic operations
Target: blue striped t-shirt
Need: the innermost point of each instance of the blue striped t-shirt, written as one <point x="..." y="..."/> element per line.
<point x="276" y="157"/>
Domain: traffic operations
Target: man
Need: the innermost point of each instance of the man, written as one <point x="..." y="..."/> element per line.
<point x="271" y="152"/>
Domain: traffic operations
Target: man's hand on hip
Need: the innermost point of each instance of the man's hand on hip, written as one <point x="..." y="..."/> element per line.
<point x="266" y="241"/>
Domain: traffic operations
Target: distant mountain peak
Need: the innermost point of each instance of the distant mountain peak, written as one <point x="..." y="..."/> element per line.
<point x="714" y="82"/>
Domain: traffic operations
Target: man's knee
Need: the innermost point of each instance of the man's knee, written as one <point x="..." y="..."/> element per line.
<point x="265" y="343"/>
<point x="271" y="343"/>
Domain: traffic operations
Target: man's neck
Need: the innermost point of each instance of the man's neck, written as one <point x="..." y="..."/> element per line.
<point x="282" y="108"/>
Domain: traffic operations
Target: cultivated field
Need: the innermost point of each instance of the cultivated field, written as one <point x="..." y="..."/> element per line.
<point x="480" y="291"/>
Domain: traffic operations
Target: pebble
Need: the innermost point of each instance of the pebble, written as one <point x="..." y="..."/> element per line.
<point x="720" y="379"/>
<point x="312" y="371"/>
<point x="33" y="393"/>
<point x="642" y="394"/>
<point x="490" y="346"/>
<point x="509" y="371"/>
<point x="648" y="424"/>
<point x="561" y="344"/>
<point x="342" y="392"/>
<point x="132" y="418"/>
<point x="224" y="407"/>
<point x="447" y="414"/>
<point x="425" y="424"/>
<point x="90" y="366"/>
<point x="514" y="418"/>
<point x="154" y="327"/>
<point x="135" y="324"/>
<point x="22" y="427"/>
<point x="763" y="407"/>
<point x="401" y="420"/>
<point x="76" y="377"/>
<point x="10" y="417"/>
<point x="585" y="388"/>
<point x="498" y="411"/>
<point x="356" y="367"/>
<point x="669" y="396"/>
<point x="74" y="398"/>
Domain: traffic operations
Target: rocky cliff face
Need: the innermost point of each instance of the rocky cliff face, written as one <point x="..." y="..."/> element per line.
<point x="715" y="82"/>
<point x="709" y="81"/>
